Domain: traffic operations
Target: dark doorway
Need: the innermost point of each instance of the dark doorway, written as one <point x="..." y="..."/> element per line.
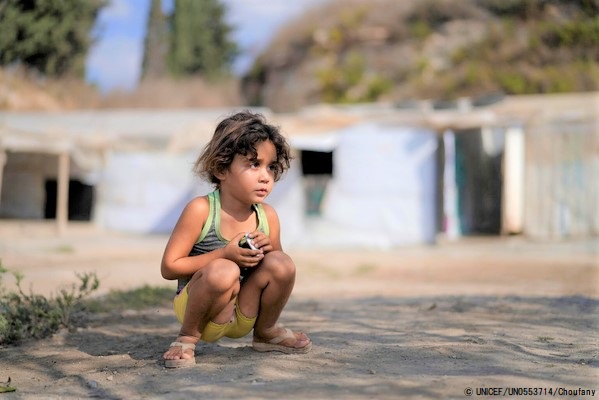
<point x="317" y="169"/>
<point x="81" y="200"/>
<point x="317" y="162"/>
<point x="480" y="183"/>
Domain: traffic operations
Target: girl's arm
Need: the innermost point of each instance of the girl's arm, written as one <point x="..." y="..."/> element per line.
<point x="176" y="262"/>
<point x="273" y="240"/>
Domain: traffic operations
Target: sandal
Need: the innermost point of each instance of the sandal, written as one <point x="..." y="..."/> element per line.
<point x="274" y="344"/>
<point x="181" y="362"/>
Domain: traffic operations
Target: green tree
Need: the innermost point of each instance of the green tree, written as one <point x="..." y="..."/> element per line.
<point x="200" y="41"/>
<point x="51" y="36"/>
<point x="156" y="43"/>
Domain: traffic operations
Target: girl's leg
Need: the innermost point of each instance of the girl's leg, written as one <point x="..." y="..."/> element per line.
<point x="211" y="297"/>
<point x="265" y="294"/>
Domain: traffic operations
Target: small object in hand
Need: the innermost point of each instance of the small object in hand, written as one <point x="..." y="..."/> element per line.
<point x="247" y="243"/>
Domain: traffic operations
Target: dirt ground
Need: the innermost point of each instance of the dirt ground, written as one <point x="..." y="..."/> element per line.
<point x="422" y="322"/>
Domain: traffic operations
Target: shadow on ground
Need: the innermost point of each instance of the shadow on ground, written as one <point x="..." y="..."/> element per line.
<point x="383" y="347"/>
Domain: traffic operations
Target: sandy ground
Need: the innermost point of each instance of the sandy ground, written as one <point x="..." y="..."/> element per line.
<point x="424" y="322"/>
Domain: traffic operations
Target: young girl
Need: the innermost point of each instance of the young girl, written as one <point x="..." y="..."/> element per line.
<point x="225" y="289"/>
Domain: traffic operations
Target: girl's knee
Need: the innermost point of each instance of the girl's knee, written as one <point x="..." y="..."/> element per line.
<point x="280" y="265"/>
<point x="218" y="276"/>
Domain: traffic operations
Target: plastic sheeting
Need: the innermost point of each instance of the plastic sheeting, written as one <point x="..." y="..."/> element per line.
<point x="145" y="192"/>
<point x="383" y="188"/>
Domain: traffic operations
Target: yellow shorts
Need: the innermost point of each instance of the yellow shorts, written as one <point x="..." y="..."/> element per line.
<point x="239" y="327"/>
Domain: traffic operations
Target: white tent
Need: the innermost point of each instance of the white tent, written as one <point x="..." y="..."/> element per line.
<point x="382" y="193"/>
<point x="138" y="161"/>
<point x="383" y="189"/>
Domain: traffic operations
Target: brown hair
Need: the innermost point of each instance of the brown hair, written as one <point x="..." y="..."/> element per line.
<point x="239" y="134"/>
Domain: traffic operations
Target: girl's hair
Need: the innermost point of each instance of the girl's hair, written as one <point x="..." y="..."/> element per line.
<point x="239" y="134"/>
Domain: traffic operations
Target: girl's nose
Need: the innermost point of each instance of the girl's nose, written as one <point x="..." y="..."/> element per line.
<point x="264" y="175"/>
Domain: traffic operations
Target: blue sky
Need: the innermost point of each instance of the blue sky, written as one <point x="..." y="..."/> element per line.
<point x="115" y="59"/>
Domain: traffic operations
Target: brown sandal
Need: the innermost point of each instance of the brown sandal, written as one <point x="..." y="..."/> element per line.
<point x="274" y="344"/>
<point x="181" y="362"/>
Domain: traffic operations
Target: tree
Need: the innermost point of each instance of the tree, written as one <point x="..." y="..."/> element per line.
<point x="200" y="39"/>
<point x="51" y="36"/>
<point x="156" y="43"/>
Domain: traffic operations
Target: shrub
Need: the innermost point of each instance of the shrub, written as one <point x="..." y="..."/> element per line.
<point x="581" y="33"/>
<point x="32" y="316"/>
<point x="350" y="81"/>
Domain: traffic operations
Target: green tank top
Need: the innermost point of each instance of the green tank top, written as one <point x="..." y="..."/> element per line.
<point x="211" y="239"/>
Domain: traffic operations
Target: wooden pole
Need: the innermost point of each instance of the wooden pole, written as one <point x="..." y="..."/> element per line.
<point x="62" y="195"/>
<point x="514" y="170"/>
<point x="2" y="163"/>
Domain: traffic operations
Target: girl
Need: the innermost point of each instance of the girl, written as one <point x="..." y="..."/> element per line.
<point x="225" y="289"/>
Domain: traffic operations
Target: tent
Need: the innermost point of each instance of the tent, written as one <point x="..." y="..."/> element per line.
<point x="381" y="181"/>
<point x="382" y="191"/>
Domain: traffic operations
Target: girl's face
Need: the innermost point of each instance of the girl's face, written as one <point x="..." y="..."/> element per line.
<point x="250" y="179"/>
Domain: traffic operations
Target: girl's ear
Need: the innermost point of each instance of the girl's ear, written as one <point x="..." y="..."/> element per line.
<point x="220" y="175"/>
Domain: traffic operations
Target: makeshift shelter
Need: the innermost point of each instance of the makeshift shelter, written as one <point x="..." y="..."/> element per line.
<point x="137" y="163"/>
<point x="373" y="175"/>
<point x="382" y="190"/>
<point x="560" y="162"/>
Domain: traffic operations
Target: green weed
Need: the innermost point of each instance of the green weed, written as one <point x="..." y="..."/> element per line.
<point x="136" y="299"/>
<point x="32" y="316"/>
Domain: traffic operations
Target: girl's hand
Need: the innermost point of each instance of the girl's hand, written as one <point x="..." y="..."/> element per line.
<point x="261" y="241"/>
<point x="242" y="256"/>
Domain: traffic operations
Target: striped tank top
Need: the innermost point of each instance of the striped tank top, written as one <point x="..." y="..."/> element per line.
<point x="211" y="239"/>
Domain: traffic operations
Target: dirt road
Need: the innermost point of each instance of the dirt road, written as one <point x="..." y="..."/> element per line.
<point x="424" y="322"/>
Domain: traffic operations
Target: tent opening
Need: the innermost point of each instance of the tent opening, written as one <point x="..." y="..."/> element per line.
<point x="317" y="170"/>
<point x="81" y="200"/>
<point x="479" y="155"/>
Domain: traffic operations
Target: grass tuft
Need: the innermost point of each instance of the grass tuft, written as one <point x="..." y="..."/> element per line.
<point x="32" y="316"/>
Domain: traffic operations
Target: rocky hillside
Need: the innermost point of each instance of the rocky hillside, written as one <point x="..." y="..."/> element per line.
<point x="372" y="50"/>
<point x="27" y="91"/>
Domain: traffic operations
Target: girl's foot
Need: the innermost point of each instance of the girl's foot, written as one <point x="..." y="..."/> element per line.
<point x="284" y="341"/>
<point x="181" y="352"/>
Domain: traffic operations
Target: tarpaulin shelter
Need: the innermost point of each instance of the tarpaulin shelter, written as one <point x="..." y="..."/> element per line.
<point x="374" y="175"/>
